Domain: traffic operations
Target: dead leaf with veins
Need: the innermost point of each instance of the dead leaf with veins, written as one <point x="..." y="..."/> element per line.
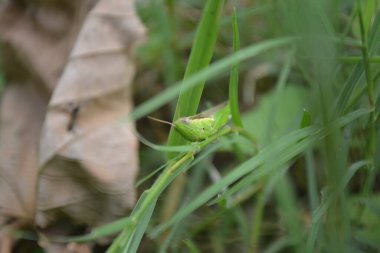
<point x="88" y="157"/>
<point x="65" y="151"/>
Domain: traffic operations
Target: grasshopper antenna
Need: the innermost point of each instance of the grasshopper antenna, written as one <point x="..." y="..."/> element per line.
<point x="161" y="121"/>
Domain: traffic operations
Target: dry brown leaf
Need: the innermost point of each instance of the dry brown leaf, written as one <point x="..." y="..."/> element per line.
<point x="88" y="158"/>
<point x="82" y="164"/>
<point x="22" y="112"/>
<point x="42" y="54"/>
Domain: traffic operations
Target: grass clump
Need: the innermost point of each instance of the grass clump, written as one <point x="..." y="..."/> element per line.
<point x="309" y="180"/>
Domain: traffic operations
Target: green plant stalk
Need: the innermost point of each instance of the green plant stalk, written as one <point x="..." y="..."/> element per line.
<point x="159" y="186"/>
<point x="167" y="28"/>
<point x="289" y="211"/>
<point x="234" y="78"/>
<point x="233" y="92"/>
<point x="257" y="221"/>
<point x="371" y="100"/>
<point x="311" y="180"/>
<point x="357" y="59"/>
<point x="151" y="196"/>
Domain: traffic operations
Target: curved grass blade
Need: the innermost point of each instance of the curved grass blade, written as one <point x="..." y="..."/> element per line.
<point x="132" y="242"/>
<point x="234" y="78"/>
<point x="164" y="148"/>
<point x="150" y="175"/>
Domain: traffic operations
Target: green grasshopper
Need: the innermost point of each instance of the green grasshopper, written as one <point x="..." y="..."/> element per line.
<point x="201" y="126"/>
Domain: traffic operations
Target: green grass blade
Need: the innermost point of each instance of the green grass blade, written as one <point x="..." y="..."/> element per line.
<point x="99" y="232"/>
<point x="234" y="78"/>
<point x="191" y="246"/>
<point x="150" y="175"/>
<point x="306" y="119"/>
<point x="312" y="186"/>
<point x="374" y="35"/>
<point x="280" y="85"/>
<point x="289" y="211"/>
<point x="358" y="72"/>
<point x="322" y="209"/>
<point x="164" y="148"/>
<point x="349" y="86"/>
<point x="200" y="57"/>
<point x="135" y="240"/>
<point x="279" y="245"/>
<point x="369" y="13"/>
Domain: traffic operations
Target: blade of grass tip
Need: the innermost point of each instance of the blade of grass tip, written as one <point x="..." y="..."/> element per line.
<point x="247" y="12"/>
<point x="306" y="119"/>
<point x="186" y="40"/>
<point x="200" y="57"/>
<point x="164" y="148"/>
<point x="234" y="77"/>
